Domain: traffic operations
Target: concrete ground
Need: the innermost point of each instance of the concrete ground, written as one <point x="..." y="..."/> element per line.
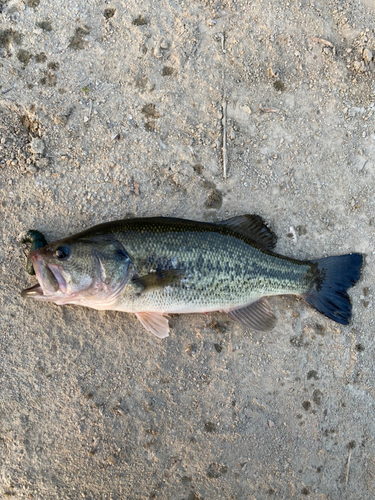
<point x="111" y="109"/>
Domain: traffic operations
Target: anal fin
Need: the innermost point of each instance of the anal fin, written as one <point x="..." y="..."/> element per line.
<point x="257" y="315"/>
<point x="155" y="323"/>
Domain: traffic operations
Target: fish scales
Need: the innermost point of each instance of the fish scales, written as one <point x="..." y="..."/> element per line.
<point x="223" y="269"/>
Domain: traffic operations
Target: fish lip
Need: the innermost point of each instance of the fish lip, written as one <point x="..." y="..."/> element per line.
<point x="34" y="291"/>
<point x="49" y="276"/>
<point x="59" y="277"/>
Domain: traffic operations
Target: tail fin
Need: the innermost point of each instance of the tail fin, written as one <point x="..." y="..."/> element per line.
<point x="329" y="294"/>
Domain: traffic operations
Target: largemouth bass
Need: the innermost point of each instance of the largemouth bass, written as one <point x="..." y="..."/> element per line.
<point x="153" y="267"/>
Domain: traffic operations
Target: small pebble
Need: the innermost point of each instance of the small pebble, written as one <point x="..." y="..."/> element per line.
<point x="42" y="163"/>
<point x="37" y="146"/>
<point x="359" y="66"/>
<point x="32" y="169"/>
<point x="367" y="55"/>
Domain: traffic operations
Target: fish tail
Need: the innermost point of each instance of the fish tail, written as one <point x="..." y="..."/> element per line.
<point x="329" y="292"/>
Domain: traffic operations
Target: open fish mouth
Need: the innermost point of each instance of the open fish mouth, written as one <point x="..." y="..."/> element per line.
<point x="51" y="282"/>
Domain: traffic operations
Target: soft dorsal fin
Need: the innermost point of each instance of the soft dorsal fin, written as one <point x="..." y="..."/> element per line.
<point x="254" y="227"/>
<point x="257" y="315"/>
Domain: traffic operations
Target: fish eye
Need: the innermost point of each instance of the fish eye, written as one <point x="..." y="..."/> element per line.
<point x="62" y="253"/>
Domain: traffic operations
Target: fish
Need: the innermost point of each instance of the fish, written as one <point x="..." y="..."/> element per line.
<point x="157" y="266"/>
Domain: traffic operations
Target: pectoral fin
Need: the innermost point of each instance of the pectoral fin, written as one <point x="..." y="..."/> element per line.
<point x="158" y="279"/>
<point x="257" y="315"/>
<point x="155" y="323"/>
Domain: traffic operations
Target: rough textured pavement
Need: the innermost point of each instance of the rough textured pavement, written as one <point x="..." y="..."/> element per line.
<point x="115" y="109"/>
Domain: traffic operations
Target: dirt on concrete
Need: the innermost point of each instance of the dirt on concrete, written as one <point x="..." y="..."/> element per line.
<point x="113" y="109"/>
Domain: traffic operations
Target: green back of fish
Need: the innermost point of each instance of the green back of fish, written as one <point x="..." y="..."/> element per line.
<point x="222" y="268"/>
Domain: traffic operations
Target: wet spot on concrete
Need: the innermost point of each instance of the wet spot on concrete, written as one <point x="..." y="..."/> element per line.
<point x="45" y="25"/>
<point x="218" y="348"/>
<point x="219" y="327"/>
<point x="49" y="80"/>
<point x="150" y="126"/>
<point x="301" y="230"/>
<point x="317" y="397"/>
<point x="215" y="470"/>
<point x="149" y="110"/>
<point x="32" y="3"/>
<point x="9" y="37"/>
<point x="167" y="71"/>
<point x="108" y="13"/>
<point x="192" y="349"/>
<point x="279" y="85"/>
<point x="186" y="479"/>
<point x="193" y="496"/>
<point x="312" y="374"/>
<point x="209" y="427"/>
<point x="40" y="58"/>
<point x="31" y="125"/>
<point x="141" y="82"/>
<point x="215" y="199"/>
<point x="53" y="65"/>
<point x="77" y="41"/>
<point x="139" y="21"/>
<point x="23" y="56"/>
<point x="208" y="184"/>
<point x="319" y="329"/>
<point x="306" y="405"/>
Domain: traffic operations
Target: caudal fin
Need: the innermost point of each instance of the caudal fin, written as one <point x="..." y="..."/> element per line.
<point x="329" y="294"/>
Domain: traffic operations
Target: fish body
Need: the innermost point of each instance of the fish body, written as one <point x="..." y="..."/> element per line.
<point x="158" y="266"/>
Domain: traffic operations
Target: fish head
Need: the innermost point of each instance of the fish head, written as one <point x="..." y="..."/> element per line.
<point x="80" y="271"/>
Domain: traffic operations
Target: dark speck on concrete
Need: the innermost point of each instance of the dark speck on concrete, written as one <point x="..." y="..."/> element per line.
<point x="215" y="470"/>
<point x="139" y="21"/>
<point x="77" y="41"/>
<point x="209" y="427"/>
<point x="218" y="348"/>
<point x="215" y="199"/>
<point x="306" y="405"/>
<point x="194" y="496"/>
<point x="279" y="85"/>
<point x="49" y="79"/>
<point x="108" y="13"/>
<point x="317" y="396"/>
<point x="312" y="374"/>
<point x="45" y="25"/>
<point x="40" y="58"/>
<point x="9" y="36"/>
<point x="23" y="56"/>
<point x="167" y="71"/>
<point x="53" y="65"/>
<point x="32" y="3"/>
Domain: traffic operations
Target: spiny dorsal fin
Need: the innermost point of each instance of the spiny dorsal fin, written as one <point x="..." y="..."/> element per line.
<point x="158" y="279"/>
<point x="254" y="227"/>
<point x="257" y="315"/>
